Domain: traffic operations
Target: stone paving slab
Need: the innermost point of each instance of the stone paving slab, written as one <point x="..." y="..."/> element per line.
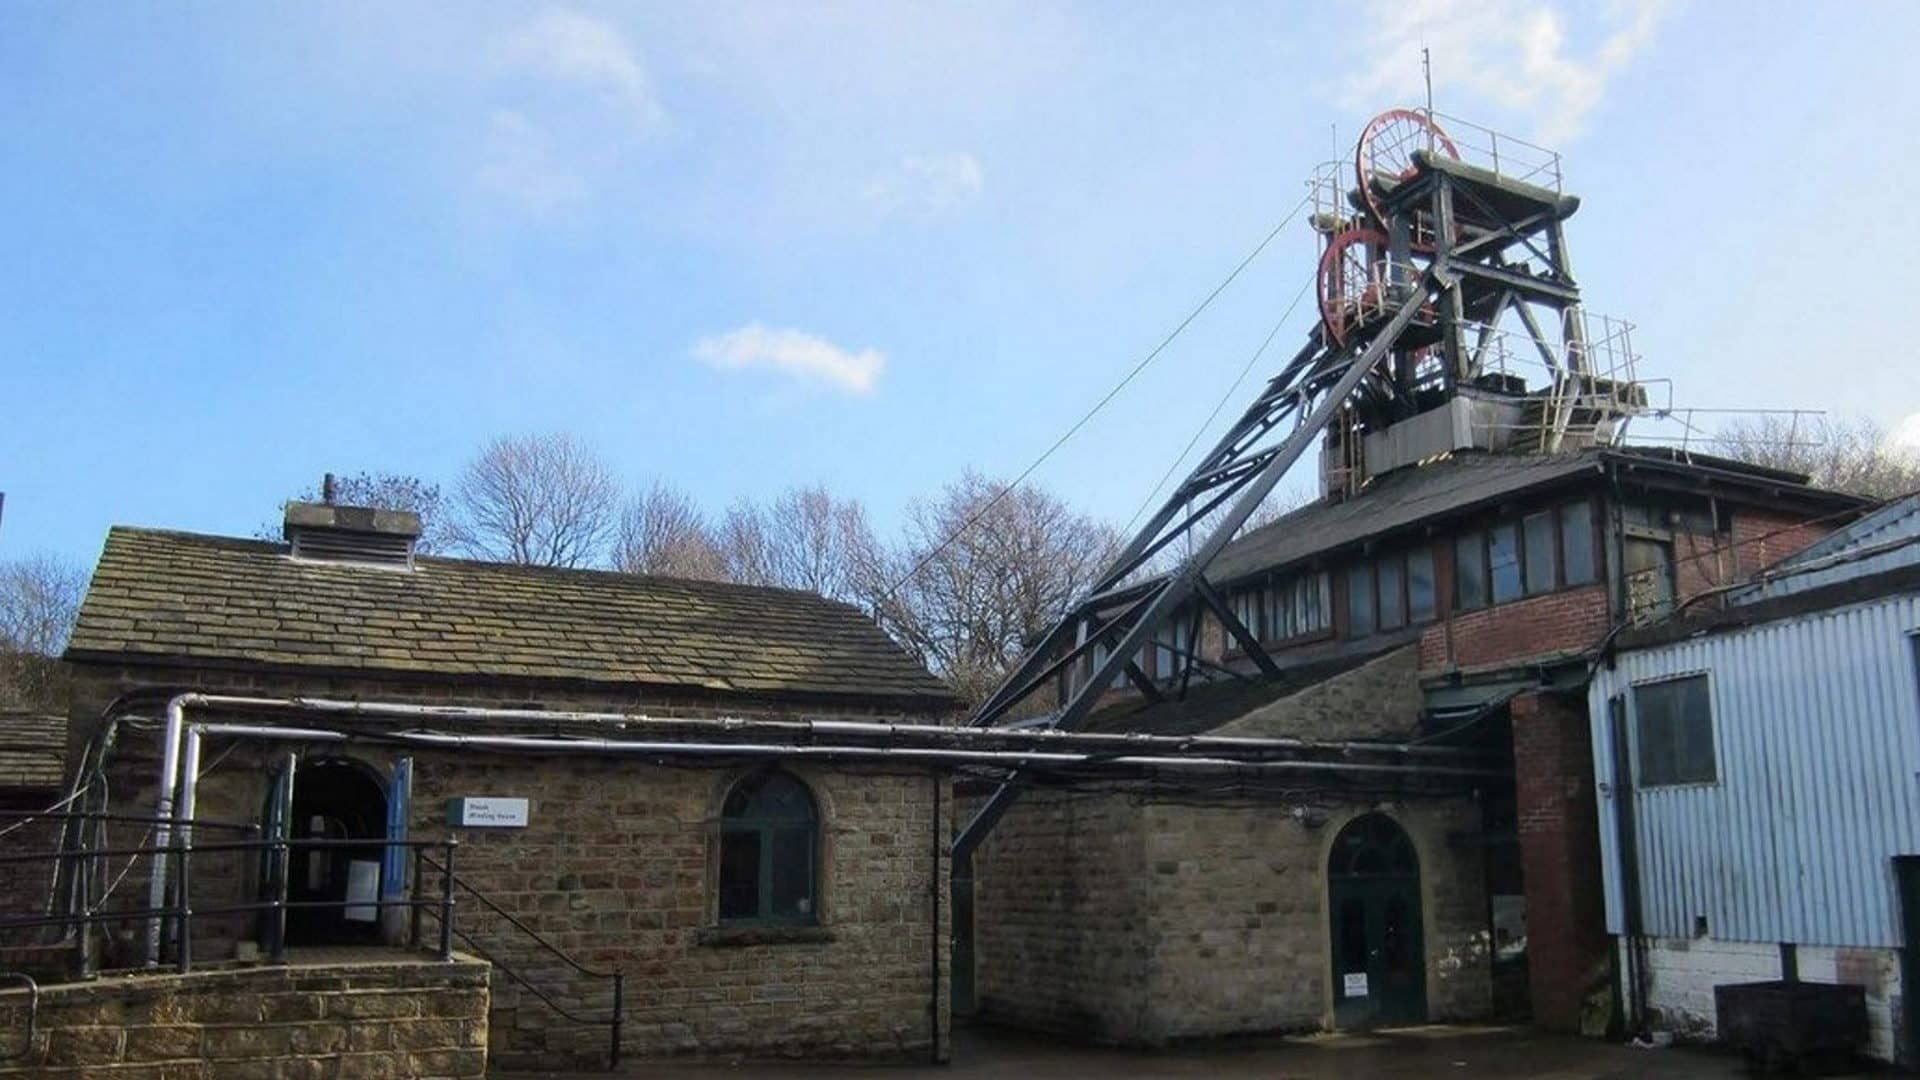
<point x="1429" y="1053"/>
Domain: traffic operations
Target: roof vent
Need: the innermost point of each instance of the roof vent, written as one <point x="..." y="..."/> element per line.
<point x="320" y="532"/>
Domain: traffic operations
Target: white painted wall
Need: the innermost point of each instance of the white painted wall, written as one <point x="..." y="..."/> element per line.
<point x="1682" y="972"/>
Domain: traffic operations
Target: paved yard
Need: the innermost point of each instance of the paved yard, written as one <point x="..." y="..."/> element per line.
<point x="1429" y="1053"/>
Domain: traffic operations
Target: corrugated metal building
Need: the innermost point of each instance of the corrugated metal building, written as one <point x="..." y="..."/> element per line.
<point x="1762" y="767"/>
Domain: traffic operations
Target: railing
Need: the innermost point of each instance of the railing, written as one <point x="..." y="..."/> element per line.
<point x="278" y="853"/>
<point x="616" y="1015"/>
<point x="181" y="913"/>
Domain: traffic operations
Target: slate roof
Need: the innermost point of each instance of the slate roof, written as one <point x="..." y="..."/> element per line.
<point x="186" y="598"/>
<point x="1465" y="483"/>
<point x="33" y="750"/>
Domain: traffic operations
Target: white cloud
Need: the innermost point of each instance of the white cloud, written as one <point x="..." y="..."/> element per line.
<point x="1906" y="434"/>
<point x="520" y="166"/>
<point x="1515" y="56"/>
<point x="927" y="184"/>
<point x="794" y="353"/>
<point x="589" y="53"/>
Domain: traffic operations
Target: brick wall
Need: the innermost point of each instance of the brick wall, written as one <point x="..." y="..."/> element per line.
<point x="617" y="867"/>
<point x="1559" y="622"/>
<point x="1567" y="952"/>
<point x="417" y="1019"/>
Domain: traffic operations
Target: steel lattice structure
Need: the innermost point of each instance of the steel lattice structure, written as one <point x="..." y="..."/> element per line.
<point x="1424" y="255"/>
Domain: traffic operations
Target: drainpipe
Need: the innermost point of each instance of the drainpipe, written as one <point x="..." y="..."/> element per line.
<point x="933" y="897"/>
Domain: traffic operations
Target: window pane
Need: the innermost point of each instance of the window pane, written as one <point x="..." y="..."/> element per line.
<point x="1393" y="614"/>
<point x="1649" y="574"/>
<point x="1542" y="553"/>
<point x="1360" y="601"/>
<point x="740" y="874"/>
<point x="1503" y="559"/>
<point x="1576" y="543"/>
<point x="792" y="885"/>
<point x="1420" y="600"/>
<point x="1318" y="594"/>
<point x="1469" y="572"/>
<point x="1674" y="727"/>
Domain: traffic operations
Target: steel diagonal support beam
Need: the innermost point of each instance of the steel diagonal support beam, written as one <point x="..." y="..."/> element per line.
<point x="1154" y="534"/>
<point x="1179" y="586"/>
<point x="1237" y="629"/>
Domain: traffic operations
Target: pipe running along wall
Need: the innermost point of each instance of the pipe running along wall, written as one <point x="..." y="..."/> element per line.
<point x="1079" y="750"/>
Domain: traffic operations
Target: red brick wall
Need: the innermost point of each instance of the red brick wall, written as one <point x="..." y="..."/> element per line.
<point x="1759" y="540"/>
<point x="1567" y="954"/>
<point x="1557" y="622"/>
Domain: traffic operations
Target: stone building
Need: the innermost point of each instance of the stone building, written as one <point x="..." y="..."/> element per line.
<point x="1459" y="601"/>
<point x="757" y="908"/>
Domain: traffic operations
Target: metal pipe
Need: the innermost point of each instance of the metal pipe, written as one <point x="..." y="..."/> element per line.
<point x="604" y="746"/>
<point x="854" y="728"/>
<point x="163" y="808"/>
<point x="183" y="859"/>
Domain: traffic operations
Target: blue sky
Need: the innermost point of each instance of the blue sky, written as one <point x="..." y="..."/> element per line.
<point x="747" y="246"/>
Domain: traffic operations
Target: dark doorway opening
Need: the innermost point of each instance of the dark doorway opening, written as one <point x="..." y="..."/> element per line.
<point x="335" y="800"/>
<point x="1373" y="902"/>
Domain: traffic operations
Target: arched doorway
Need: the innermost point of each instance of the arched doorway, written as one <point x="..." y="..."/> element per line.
<point x="1373" y="902"/>
<point x="335" y="799"/>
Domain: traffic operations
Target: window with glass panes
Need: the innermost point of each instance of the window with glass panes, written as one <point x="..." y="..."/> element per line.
<point x="769" y="852"/>
<point x="1673" y="725"/>
<point x="1539" y="553"/>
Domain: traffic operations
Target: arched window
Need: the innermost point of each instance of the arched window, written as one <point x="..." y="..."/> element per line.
<point x="769" y="851"/>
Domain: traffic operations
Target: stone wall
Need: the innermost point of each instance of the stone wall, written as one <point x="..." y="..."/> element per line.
<point x="617" y="868"/>
<point x="384" y="1019"/>
<point x="1146" y="919"/>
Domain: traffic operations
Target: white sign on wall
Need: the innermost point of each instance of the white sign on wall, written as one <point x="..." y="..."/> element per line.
<point x="487" y="812"/>
<point x="1354" y="984"/>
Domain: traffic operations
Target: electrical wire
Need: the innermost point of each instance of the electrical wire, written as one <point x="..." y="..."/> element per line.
<point x="974" y="518"/>
<point x="24" y="822"/>
<point x="1219" y="405"/>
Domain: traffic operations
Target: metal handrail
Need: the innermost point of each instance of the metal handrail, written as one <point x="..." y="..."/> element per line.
<point x="522" y="927"/>
<point x="279" y="852"/>
<point x="182" y="849"/>
<point x="137" y="819"/>
<point x="33" y="1011"/>
<point x="617" y="1014"/>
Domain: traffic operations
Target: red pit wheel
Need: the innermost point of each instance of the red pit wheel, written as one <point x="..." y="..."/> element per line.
<point x="1349" y="280"/>
<point x="1384" y="156"/>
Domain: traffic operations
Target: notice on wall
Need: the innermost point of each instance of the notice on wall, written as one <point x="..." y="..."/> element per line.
<point x="487" y="812"/>
<point x="363" y="888"/>
<point x="1354" y="984"/>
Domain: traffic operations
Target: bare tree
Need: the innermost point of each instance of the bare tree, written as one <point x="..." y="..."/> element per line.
<point x="540" y="500"/>
<point x="804" y="539"/>
<point x="1852" y="455"/>
<point x="982" y="576"/>
<point x="39" y="599"/>
<point x="662" y="531"/>
<point x="383" y="491"/>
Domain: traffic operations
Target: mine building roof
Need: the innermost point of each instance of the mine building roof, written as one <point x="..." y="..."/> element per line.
<point x="184" y="599"/>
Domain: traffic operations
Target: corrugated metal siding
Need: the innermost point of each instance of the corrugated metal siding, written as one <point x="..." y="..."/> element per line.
<point x="1816" y="726"/>
<point x="1890" y="524"/>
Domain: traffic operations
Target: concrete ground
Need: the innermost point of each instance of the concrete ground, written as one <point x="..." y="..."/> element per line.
<point x="1429" y="1053"/>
